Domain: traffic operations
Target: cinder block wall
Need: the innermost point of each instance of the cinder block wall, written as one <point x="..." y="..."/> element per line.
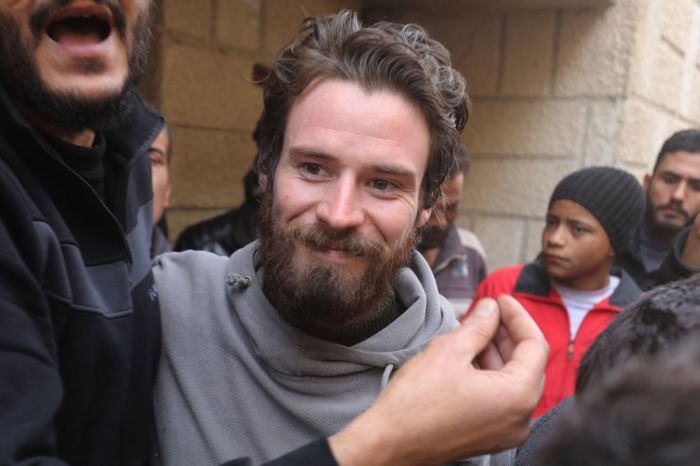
<point x="554" y="90"/>
<point x="201" y="81"/>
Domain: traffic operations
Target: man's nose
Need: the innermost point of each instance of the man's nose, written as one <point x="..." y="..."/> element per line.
<point x="341" y="209"/>
<point x="679" y="191"/>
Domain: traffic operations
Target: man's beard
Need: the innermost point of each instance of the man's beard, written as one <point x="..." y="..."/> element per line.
<point x="430" y="237"/>
<point x="660" y="227"/>
<point x="68" y="110"/>
<point x="321" y="296"/>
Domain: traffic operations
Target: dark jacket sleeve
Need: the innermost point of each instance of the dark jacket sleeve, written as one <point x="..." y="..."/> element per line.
<point x="30" y="384"/>
<point x="317" y="453"/>
<point x="673" y="268"/>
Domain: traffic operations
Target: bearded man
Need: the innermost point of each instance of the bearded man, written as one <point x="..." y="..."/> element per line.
<point x="295" y="335"/>
<point x="79" y="330"/>
<point x="79" y="321"/>
<point x="673" y="202"/>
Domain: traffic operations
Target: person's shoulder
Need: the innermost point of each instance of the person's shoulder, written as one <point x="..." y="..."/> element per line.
<point x="469" y="240"/>
<point x="188" y="266"/>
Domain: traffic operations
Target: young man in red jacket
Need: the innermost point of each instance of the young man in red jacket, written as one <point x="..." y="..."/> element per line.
<point x="572" y="290"/>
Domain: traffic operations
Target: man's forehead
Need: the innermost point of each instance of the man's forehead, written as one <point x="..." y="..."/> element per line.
<point x="682" y="163"/>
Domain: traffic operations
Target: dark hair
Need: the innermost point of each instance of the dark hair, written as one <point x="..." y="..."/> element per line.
<point x="646" y="413"/>
<point x="687" y="140"/>
<point x="657" y="320"/>
<point x="461" y="164"/>
<point x="400" y="58"/>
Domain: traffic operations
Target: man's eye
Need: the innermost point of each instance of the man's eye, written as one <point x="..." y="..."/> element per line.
<point x="382" y="185"/>
<point x="312" y="169"/>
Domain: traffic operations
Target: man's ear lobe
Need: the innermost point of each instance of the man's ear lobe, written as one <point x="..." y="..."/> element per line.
<point x="646" y="181"/>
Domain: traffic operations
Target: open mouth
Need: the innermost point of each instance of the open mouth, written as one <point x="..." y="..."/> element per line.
<point x="79" y="29"/>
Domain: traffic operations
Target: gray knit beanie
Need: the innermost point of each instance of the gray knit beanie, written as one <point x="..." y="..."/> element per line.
<point x="614" y="197"/>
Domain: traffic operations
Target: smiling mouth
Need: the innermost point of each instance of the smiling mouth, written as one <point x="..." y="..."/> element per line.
<point x="79" y="29"/>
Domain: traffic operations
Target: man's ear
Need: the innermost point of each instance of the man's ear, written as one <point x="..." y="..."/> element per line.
<point x="646" y="182"/>
<point x="423" y="217"/>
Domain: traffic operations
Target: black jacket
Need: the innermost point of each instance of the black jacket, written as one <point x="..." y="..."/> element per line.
<point x="223" y="234"/>
<point x="79" y="322"/>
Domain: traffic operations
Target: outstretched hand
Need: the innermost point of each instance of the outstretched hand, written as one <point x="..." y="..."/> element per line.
<point x="470" y="391"/>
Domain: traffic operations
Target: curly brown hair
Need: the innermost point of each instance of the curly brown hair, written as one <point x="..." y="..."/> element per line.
<point x="396" y="57"/>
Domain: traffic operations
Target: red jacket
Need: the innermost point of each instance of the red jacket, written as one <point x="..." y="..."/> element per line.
<point x="529" y="284"/>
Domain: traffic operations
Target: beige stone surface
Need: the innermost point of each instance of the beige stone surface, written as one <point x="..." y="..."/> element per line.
<point x="282" y="18"/>
<point x="474" y="40"/>
<point x="604" y="125"/>
<point x="513" y="186"/>
<point x="665" y="85"/>
<point x="502" y="238"/>
<point x="527" y="67"/>
<point x="179" y="219"/>
<point x="238" y="23"/>
<point x="594" y="50"/>
<point x="205" y="88"/>
<point x="533" y="239"/>
<point x="676" y="21"/>
<point x="208" y="167"/>
<point x="645" y="129"/>
<point x="188" y="18"/>
<point x="529" y="127"/>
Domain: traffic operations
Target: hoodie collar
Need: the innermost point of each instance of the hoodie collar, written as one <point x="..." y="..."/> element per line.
<point x="290" y="351"/>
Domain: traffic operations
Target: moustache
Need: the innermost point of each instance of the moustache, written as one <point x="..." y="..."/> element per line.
<point x="675" y="207"/>
<point x="323" y="238"/>
<point x="37" y="20"/>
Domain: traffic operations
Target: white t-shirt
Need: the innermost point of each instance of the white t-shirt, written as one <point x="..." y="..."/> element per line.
<point x="578" y="303"/>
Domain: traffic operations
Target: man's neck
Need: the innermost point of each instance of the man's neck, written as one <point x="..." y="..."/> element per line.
<point x="659" y="237"/>
<point x="83" y="137"/>
<point x="431" y="255"/>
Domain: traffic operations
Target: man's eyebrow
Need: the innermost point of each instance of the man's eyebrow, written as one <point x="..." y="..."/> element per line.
<point x="389" y="170"/>
<point x="381" y="168"/>
<point x="155" y="149"/>
<point x="313" y="153"/>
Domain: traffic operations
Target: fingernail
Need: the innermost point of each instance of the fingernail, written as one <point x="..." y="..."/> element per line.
<point x="485" y="308"/>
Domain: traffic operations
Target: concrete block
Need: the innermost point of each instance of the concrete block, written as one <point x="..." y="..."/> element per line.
<point x="238" y="23"/>
<point x="533" y="240"/>
<point x="694" y="98"/>
<point x="527" y="68"/>
<point x="188" y="18"/>
<point x="665" y="85"/>
<point x="179" y="219"/>
<point x="205" y="88"/>
<point x="282" y="18"/>
<point x="526" y="127"/>
<point x="676" y="21"/>
<point x="513" y="186"/>
<point x="643" y="131"/>
<point x="208" y="167"/>
<point x="604" y="123"/>
<point x="594" y="50"/>
<point x="474" y="41"/>
<point x="502" y="239"/>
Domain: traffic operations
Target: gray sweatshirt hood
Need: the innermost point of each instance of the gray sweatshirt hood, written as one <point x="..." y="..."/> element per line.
<point x="235" y="379"/>
<point x="292" y="352"/>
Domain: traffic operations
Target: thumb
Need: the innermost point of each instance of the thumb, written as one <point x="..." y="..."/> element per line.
<point x="478" y="329"/>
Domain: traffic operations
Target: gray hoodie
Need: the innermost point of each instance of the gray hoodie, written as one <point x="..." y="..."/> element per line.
<point x="237" y="380"/>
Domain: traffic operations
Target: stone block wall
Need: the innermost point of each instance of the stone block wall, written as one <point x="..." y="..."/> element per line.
<point x="555" y="89"/>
